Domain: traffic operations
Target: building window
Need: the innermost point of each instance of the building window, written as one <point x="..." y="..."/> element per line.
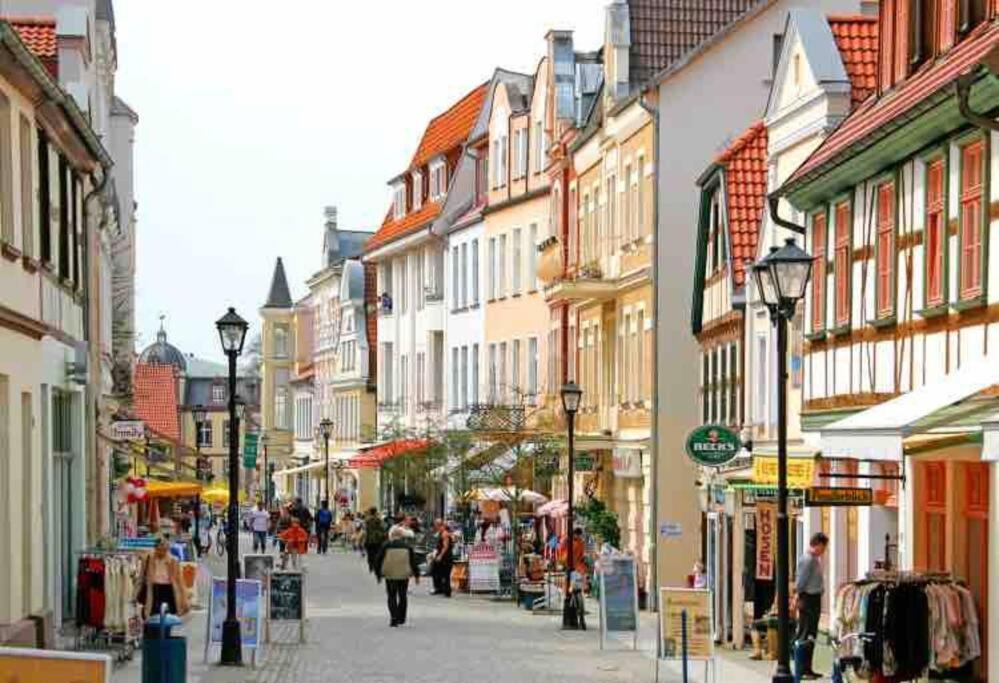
<point x="936" y="229"/>
<point x="420" y="278"/>
<point x="205" y="434"/>
<point x="399" y="200"/>
<point x="625" y="343"/>
<point x="501" y="269"/>
<point x="492" y="373"/>
<point x="596" y="225"/>
<point x="421" y="378"/>
<point x="455" y="280"/>
<point x="539" y="148"/>
<point x="404" y="381"/>
<point x="280" y="341"/>
<point x="517" y="259"/>
<point x="6" y="173"/>
<point x="438" y="180"/>
<point x="612" y="236"/>
<point x="225" y="433"/>
<point x="475" y="272"/>
<point x="705" y="387"/>
<point x="972" y="218"/>
<point x="503" y="157"/>
<point x="493" y="267"/>
<point x="403" y="284"/>
<point x="885" y="248"/>
<point x="481" y="177"/>
<point x="27" y="190"/>
<point x="935" y="520"/>
<point x="640" y="200"/>
<point x="65" y="234"/>
<point x="386" y="374"/>
<point x="464" y="274"/>
<point x="532" y="258"/>
<point x="218" y="393"/>
<point x="475" y="373"/>
<point x="515" y="369"/>
<point x="281" y="408"/>
<point x="819" y="241"/>
<point x="639" y="377"/>
<point x="532" y="369"/>
<point x="464" y="378"/>
<point x="842" y="263"/>
<point x="44" y="199"/>
<point x="503" y="379"/>
<point x="417" y="190"/>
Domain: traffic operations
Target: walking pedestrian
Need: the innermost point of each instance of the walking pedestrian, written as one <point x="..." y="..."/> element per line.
<point x="810" y="585"/>
<point x="396" y="563"/>
<point x="443" y="561"/>
<point x="324" y="521"/>
<point x="374" y="537"/>
<point x="160" y="582"/>
<point x="296" y="540"/>
<point x="260" y="520"/>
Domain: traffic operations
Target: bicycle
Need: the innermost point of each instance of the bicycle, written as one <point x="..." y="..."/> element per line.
<point x="220" y="546"/>
<point x="842" y="665"/>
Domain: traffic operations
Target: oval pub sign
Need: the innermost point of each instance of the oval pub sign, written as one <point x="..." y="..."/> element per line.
<point x="712" y="445"/>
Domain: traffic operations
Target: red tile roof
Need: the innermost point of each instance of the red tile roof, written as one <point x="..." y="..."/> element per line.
<point x="444" y="133"/>
<point x="856" y="36"/>
<point x="663" y="31"/>
<point x="39" y="35"/>
<point x="156" y="399"/>
<point x="876" y="112"/>
<point x="745" y="163"/>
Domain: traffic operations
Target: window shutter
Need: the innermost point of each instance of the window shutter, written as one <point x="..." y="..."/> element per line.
<point x="887" y="21"/>
<point x="948" y="23"/>
<point x="901" y="40"/>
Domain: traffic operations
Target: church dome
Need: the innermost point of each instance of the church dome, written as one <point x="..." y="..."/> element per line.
<point x="161" y="352"/>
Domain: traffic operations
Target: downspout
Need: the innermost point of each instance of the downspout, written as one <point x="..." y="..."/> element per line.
<point x="773" y="201"/>
<point x="653" y="595"/>
<point x="963" y="90"/>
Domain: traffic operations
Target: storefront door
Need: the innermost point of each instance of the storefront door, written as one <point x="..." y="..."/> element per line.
<point x="63" y="461"/>
<point x="976" y="519"/>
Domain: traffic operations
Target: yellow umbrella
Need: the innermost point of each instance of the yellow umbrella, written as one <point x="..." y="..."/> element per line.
<point x="172" y="489"/>
<point x="220" y="495"/>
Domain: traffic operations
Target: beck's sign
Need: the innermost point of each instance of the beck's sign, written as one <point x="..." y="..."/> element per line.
<point x="712" y="445"/>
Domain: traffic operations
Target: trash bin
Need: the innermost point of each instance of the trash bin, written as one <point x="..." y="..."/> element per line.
<point x="164" y="655"/>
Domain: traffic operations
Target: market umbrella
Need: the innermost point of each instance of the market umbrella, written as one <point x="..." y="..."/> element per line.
<point x="555" y="508"/>
<point x="507" y="494"/>
<point x="172" y="489"/>
<point x="220" y="496"/>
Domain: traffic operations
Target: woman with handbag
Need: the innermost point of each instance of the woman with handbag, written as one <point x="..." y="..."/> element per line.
<point x="161" y="582"/>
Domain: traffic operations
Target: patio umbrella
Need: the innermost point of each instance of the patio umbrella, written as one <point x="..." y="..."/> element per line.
<point x="507" y="494"/>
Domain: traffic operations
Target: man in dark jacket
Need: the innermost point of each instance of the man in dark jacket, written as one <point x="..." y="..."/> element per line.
<point x="374" y="536"/>
<point x="324" y="521"/>
<point x="396" y="563"/>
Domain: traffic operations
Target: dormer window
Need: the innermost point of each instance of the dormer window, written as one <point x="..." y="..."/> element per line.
<point x="417" y="188"/>
<point x="399" y="200"/>
<point x="438" y="179"/>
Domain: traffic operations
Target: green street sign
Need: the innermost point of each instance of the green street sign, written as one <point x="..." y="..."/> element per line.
<point x="250" y="451"/>
<point x="583" y="462"/>
<point x="713" y="445"/>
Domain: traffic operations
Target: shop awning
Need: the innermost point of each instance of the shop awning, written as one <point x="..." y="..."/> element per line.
<point x="375" y="456"/>
<point x="555" y="508"/>
<point x="877" y="433"/>
<point x="301" y="468"/>
<point x="506" y="494"/>
<point x="172" y="489"/>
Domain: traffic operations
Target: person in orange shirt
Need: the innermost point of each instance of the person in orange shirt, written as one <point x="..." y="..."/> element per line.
<point x="578" y="552"/>
<point x="296" y="542"/>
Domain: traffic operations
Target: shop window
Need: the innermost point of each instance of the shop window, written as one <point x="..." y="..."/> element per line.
<point x="819" y="272"/>
<point x="972" y="181"/>
<point x="885" y="248"/>
<point x="936" y="228"/>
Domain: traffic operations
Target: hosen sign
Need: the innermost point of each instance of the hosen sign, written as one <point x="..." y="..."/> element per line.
<point x="712" y="445"/>
<point x="766" y="527"/>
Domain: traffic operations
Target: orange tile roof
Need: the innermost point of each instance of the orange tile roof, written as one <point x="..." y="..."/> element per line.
<point x="444" y="133"/>
<point x="39" y="36"/>
<point x="156" y="399"/>
<point x="745" y="163"/>
<point x="450" y="129"/>
<point x="856" y="36"/>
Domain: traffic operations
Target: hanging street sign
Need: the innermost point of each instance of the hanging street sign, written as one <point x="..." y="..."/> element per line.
<point x="128" y="430"/>
<point x="838" y="496"/>
<point x="250" y="450"/>
<point x="713" y="445"/>
<point x="800" y="471"/>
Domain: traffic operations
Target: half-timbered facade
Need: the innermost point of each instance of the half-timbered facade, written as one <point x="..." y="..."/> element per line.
<point x="901" y="320"/>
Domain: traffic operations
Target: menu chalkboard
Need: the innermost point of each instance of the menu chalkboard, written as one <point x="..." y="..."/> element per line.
<point x="618" y="594"/>
<point x="286" y="597"/>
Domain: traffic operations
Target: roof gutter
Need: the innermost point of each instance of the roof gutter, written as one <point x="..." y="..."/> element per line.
<point x="962" y="87"/>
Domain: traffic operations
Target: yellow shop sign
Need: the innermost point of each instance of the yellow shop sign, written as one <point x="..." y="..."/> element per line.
<point x="800" y="471"/>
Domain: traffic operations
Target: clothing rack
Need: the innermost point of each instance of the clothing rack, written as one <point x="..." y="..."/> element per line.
<point x="100" y="572"/>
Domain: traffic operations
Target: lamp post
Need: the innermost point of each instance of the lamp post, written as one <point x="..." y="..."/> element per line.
<point x="232" y="333"/>
<point x="199" y="414"/>
<point x="326" y="430"/>
<point x="571" y="395"/>
<point x="781" y="277"/>
<point x="267" y="474"/>
<point x="337" y="471"/>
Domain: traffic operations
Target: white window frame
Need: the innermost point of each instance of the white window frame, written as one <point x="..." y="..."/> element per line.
<point x="475" y="271"/>
<point x="438" y="179"/>
<point x="517" y="255"/>
<point x="532" y="258"/>
<point x="399" y="200"/>
<point x="417" y="190"/>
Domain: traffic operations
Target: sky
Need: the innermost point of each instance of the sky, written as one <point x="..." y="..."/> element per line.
<point x="253" y="116"/>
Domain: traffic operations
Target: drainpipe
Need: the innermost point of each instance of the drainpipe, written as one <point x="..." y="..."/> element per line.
<point x="963" y="90"/>
<point x="773" y="201"/>
<point x="653" y="595"/>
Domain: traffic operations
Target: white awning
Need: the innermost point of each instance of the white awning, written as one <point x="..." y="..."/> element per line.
<point x="877" y="433"/>
<point x="339" y="456"/>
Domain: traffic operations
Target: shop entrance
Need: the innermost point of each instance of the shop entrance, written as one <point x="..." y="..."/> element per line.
<point x="63" y="462"/>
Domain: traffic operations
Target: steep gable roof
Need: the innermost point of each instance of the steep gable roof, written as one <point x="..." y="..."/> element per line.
<point x="856" y="37"/>
<point x="444" y="133"/>
<point x="279" y="295"/>
<point x="663" y="31"/>
<point x="156" y="399"/>
<point x="745" y="164"/>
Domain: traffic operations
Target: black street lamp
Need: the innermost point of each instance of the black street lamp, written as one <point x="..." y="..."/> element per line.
<point x="571" y="395"/>
<point x="781" y="277"/>
<point x="326" y="430"/>
<point x="199" y="414"/>
<point x="232" y="333"/>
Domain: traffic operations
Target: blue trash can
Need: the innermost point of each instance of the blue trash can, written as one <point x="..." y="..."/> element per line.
<point x="164" y="655"/>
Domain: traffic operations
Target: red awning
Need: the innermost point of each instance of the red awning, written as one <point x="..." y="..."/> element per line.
<point x="374" y="456"/>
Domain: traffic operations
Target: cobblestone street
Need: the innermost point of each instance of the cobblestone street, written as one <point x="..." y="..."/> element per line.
<point x="460" y="639"/>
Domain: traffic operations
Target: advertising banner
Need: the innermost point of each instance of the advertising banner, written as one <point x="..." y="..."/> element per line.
<point x="800" y="471"/>
<point x="766" y="528"/>
<point x="696" y="603"/>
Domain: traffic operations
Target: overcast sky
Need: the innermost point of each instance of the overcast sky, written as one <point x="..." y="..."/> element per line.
<point x="253" y="116"/>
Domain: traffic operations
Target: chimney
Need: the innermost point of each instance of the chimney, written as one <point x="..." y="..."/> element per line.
<point x="331" y="240"/>
<point x="617" y="48"/>
<point x="563" y="64"/>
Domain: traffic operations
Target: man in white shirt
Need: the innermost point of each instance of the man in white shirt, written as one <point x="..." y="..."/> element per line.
<point x="260" y="521"/>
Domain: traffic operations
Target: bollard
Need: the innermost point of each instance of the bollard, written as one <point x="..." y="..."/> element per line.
<point x="683" y="643"/>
